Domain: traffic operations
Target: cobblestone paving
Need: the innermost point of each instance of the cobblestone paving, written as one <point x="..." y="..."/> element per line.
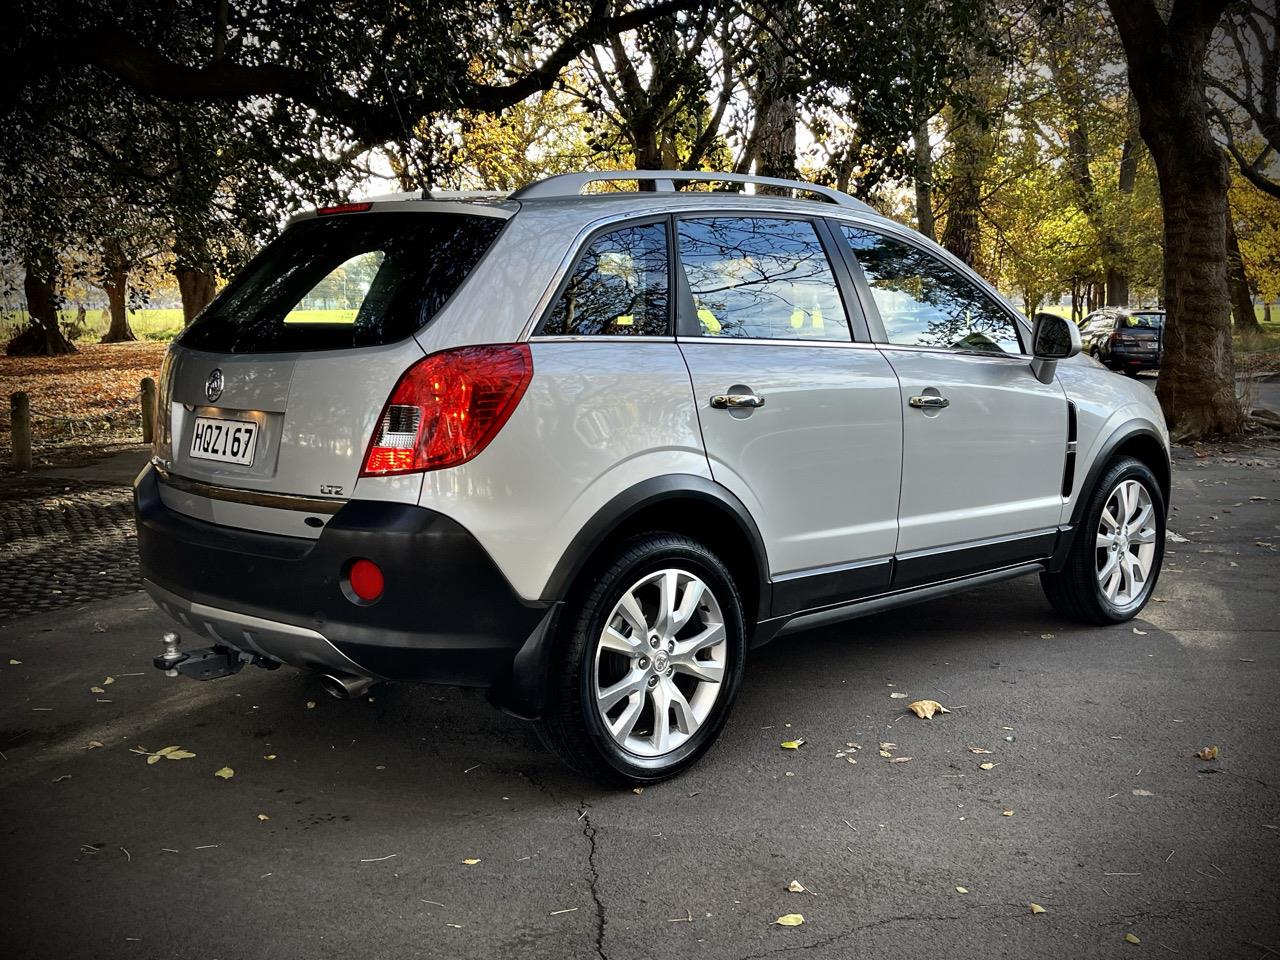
<point x="63" y="542"/>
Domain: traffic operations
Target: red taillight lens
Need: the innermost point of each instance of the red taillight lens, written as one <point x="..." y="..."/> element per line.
<point x="447" y="407"/>
<point x="344" y="208"/>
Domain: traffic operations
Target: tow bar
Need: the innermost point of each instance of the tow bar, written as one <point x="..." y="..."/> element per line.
<point x="207" y="663"/>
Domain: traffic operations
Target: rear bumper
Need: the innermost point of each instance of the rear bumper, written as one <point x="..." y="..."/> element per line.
<point x="446" y="615"/>
<point x="1124" y="359"/>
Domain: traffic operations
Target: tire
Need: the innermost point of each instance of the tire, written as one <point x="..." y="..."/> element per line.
<point x="645" y="569"/>
<point x="1079" y="591"/>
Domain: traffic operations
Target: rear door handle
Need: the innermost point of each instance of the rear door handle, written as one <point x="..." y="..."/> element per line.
<point x="929" y="403"/>
<point x="733" y="401"/>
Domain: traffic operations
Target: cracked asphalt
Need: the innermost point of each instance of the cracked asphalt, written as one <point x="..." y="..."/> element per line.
<point x="345" y="826"/>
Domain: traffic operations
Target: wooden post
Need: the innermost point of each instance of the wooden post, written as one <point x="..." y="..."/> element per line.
<point x="148" y="410"/>
<point x="20" y="429"/>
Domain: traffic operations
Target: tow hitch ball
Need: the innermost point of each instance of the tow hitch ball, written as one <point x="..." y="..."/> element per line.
<point x="207" y="663"/>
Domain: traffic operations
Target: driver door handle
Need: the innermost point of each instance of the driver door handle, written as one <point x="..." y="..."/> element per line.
<point x="731" y="401"/>
<point x="929" y="403"/>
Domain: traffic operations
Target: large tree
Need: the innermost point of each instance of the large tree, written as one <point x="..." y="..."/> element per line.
<point x="1166" y="59"/>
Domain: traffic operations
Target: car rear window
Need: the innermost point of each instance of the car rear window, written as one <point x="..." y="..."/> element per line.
<point x="344" y="281"/>
<point x="1146" y="321"/>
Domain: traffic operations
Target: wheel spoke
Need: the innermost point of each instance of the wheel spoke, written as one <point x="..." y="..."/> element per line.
<point x="661" y="718"/>
<point x="1143" y="518"/>
<point x="630" y="646"/>
<point x="707" y="671"/>
<point x="1146" y="535"/>
<point x="693" y="591"/>
<point x="1104" y="541"/>
<point x="631" y="683"/>
<point x="687" y="649"/>
<point x="1112" y="582"/>
<point x="1129" y="500"/>
<point x="686" y="722"/>
<point x="1109" y="518"/>
<point x="626" y="722"/>
<point x="633" y="616"/>
<point x="668" y="587"/>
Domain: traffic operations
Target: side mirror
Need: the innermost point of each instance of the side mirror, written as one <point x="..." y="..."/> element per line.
<point x="1053" y="338"/>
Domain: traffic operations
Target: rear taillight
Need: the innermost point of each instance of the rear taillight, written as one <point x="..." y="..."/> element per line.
<point x="447" y="407"/>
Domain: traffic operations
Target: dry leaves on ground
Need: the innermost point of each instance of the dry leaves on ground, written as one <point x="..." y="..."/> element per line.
<point x="793" y="744"/>
<point x="1036" y="908"/>
<point x="164" y="753"/>
<point x="226" y="773"/>
<point x="790" y="920"/>
<point x="925" y="709"/>
<point x="1208" y="753"/>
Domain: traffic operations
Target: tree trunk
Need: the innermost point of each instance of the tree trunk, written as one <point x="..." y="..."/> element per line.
<point x="1266" y="312"/>
<point x="924" y="180"/>
<point x="42" y="336"/>
<point x="1238" y="283"/>
<point x="972" y="151"/>
<point x="1166" y="58"/>
<point x="1117" y="280"/>
<point x="197" y="287"/>
<point x="116" y="285"/>
<point x="775" y="99"/>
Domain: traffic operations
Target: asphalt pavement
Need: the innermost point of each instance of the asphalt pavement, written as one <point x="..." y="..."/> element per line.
<point x="419" y="822"/>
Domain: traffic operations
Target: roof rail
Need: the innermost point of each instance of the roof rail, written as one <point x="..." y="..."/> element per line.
<point x="571" y="184"/>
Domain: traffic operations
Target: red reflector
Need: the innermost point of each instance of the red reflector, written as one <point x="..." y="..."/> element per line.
<point x="447" y="408"/>
<point x="345" y="208"/>
<point x="366" y="581"/>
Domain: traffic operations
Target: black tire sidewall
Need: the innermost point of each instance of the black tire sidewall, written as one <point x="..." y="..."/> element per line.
<point x="1123" y="469"/>
<point x="661" y="552"/>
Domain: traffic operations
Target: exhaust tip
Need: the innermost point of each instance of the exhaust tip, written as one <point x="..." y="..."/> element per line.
<point x="343" y="686"/>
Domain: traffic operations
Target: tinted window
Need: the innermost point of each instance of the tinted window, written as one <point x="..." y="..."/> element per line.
<point x="344" y="281"/>
<point x="760" y="277"/>
<point x="618" y="288"/>
<point x="923" y="302"/>
<point x="1146" y="321"/>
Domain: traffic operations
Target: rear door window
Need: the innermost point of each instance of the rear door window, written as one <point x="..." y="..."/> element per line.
<point x="346" y="281"/>
<point x="761" y="277"/>
<point x="618" y="288"/>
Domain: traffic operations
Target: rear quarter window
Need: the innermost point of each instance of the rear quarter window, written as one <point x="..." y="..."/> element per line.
<point x="345" y="281"/>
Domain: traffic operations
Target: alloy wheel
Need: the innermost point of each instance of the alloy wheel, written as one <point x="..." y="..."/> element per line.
<point x="660" y="662"/>
<point x="1126" y="543"/>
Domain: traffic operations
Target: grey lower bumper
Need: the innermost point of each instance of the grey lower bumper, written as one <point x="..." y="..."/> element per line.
<point x="296" y="646"/>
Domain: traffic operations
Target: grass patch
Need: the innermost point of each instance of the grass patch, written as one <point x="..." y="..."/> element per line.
<point x="149" y="323"/>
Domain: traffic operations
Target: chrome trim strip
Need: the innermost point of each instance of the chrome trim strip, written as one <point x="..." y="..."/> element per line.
<point x="253" y="498"/>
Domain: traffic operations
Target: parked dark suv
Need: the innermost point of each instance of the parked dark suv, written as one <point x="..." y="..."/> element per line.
<point x="1124" y="340"/>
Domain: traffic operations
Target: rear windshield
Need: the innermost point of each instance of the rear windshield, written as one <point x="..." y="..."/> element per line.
<point x="344" y="281"/>
<point x="1146" y="321"/>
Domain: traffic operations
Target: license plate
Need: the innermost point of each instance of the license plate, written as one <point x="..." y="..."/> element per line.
<point x="227" y="441"/>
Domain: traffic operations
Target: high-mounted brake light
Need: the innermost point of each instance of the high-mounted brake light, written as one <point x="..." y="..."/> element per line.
<point x="344" y="208"/>
<point x="447" y="407"/>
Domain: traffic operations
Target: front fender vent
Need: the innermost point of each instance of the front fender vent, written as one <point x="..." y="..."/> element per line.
<point x="1069" y="466"/>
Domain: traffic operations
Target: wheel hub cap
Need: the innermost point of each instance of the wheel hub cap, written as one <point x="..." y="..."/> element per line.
<point x="660" y="662"/>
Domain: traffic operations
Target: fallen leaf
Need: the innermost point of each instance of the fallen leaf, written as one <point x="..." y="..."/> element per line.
<point x="986" y="766"/>
<point x="226" y="773"/>
<point x="851" y="760"/>
<point x="1006" y="813"/>
<point x="96" y="690"/>
<point x="471" y="861"/>
<point x="1208" y="753"/>
<point x="925" y="709"/>
<point x="269" y="756"/>
<point x="978" y="750"/>
<point x="154" y="758"/>
<point x="15" y="663"/>
<point x="1046" y="636"/>
<point x="65" y="776"/>
<point x="792" y="744"/>
<point x="962" y="889"/>
<point x="163" y="750"/>
<point x="1036" y="908"/>
<point x="179" y="755"/>
<point x="790" y="920"/>
<point x="795" y="886"/>
<point x="1130" y="938"/>
<point x="108" y="681"/>
<point x="885" y="753"/>
<point x="638" y="791"/>
<point x="263" y="816"/>
<point x="311" y="704"/>
<point x="897" y="696"/>
<point x="899" y="759"/>
<point x="1143" y="793"/>
<point x="93" y="744"/>
<point x="888" y="746"/>
<point x="1141" y="633"/>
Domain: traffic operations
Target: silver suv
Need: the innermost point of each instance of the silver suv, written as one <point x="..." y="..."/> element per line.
<point x="587" y="449"/>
